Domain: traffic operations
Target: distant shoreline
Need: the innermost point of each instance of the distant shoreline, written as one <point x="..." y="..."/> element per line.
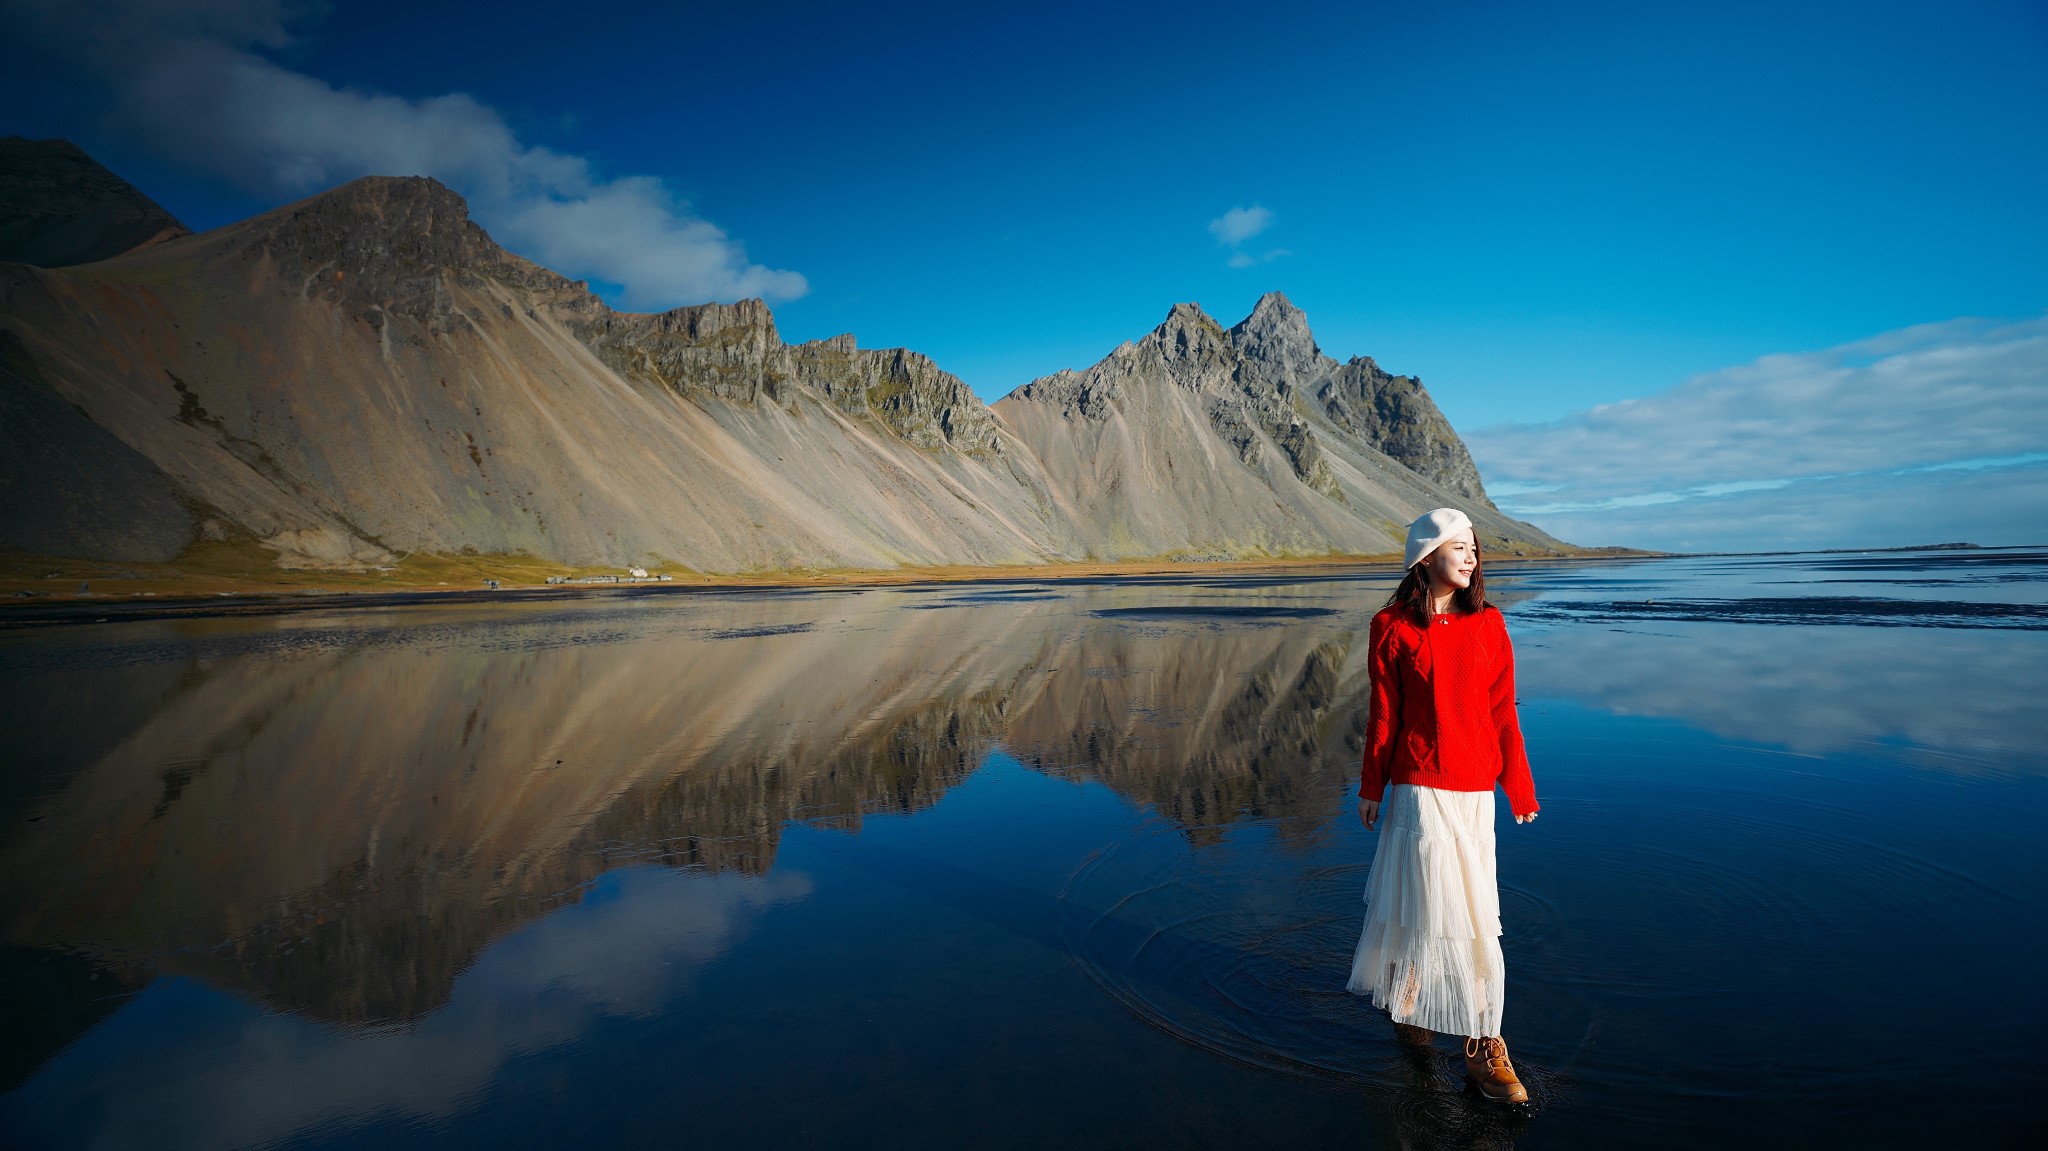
<point x="1952" y="547"/>
<point x="132" y="599"/>
<point x="116" y="593"/>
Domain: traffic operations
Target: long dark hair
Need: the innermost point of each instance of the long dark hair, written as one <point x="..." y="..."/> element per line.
<point x="1414" y="590"/>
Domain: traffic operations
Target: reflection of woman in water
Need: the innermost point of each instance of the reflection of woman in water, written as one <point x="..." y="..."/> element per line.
<point x="1442" y="732"/>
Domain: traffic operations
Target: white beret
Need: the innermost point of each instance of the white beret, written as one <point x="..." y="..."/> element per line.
<point x="1431" y="529"/>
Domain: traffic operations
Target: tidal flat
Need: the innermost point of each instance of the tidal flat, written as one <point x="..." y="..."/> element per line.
<point x="1019" y="863"/>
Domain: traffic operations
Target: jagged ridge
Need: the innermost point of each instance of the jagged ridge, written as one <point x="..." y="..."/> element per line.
<point x="367" y="373"/>
<point x="1328" y="456"/>
<point x="399" y="245"/>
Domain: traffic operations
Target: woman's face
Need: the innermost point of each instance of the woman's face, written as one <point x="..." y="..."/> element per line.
<point x="1453" y="561"/>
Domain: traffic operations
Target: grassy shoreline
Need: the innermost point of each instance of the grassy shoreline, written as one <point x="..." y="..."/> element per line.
<point x="45" y="590"/>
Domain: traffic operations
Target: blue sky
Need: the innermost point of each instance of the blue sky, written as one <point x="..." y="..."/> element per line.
<point x="1540" y="209"/>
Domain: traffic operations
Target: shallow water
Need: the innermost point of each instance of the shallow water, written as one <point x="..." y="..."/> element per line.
<point x="1018" y="864"/>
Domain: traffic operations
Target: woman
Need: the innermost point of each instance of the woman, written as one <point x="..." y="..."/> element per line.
<point x="1442" y="732"/>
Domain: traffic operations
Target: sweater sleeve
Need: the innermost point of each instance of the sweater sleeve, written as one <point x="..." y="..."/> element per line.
<point x="1383" y="721"/>
<point x="1514" y="760"/>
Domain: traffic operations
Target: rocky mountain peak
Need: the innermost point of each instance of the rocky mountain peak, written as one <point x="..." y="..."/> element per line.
<point x="394" y="244"/>
<point x="1276" y="339"/>
<point x="1275" y="307"/>
<point x="1265" y="382"/>
<point x="1187" y="317"/>
<point x="1188" y="339"/>
<point x="381" y="223"/>
<point x="59" y="206"/>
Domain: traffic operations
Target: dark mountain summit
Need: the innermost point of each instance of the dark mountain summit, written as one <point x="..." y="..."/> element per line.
<point x="59" y="207"/>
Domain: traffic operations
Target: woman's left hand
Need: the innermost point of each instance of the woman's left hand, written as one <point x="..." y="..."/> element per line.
<point x="1529" y="818"/>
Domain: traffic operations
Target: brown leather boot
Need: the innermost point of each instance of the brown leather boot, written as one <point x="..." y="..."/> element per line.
<point x="1486" y="1061"/>
<point x="1411" y="1036"/>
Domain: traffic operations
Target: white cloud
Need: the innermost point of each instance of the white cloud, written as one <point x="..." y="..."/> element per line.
<point x="1888" y="509"/>
<point x="1247" y="260"/>
<point x="1928" y="434"/>
<point x="1240" y="224"/>
<point x="185" y="78"/>
<point x="1234" y="227"/>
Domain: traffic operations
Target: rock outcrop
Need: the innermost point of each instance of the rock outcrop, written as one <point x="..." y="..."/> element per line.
<point x="1396" y="414"/>
<point x="59" y="207"/>
<point x="732" y="352"/>
<point x="366" y="374"/>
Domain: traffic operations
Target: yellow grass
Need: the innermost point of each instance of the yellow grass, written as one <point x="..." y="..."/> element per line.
<point x="242" y="568"/>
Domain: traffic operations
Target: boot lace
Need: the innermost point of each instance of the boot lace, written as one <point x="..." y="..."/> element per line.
<point x="1491" y="1048"/>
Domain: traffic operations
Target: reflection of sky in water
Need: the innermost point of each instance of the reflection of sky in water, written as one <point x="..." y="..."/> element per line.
<point x="1963" y="689"/>
<point x="1986" y="575"/>
<point x="181" y="1066"/>
<point x="1970" y="695"/>
<point x="260" y="825"/>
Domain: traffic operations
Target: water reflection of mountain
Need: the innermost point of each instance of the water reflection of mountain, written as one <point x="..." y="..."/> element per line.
<point x="339" y="827"/>
<point x="1205" y="729"/>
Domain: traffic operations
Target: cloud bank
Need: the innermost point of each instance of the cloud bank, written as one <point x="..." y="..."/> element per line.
<point x="188" y="80"/>
<point x="1930" y="434"/>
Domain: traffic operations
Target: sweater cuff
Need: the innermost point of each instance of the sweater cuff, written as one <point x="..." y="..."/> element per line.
<point x="1371" y="784"/>
<point x="1523" y="803"/>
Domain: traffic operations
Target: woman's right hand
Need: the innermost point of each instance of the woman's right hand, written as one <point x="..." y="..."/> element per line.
<point x="1369" y="813"/>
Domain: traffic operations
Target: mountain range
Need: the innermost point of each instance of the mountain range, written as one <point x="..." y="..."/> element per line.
<point x="366" y="375"/>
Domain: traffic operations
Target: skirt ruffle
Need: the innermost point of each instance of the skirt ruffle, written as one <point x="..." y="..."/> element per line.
<point x="1430" y="951"/>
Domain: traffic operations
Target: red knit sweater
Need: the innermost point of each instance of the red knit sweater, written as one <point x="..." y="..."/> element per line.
<point x="1443" y="707"/>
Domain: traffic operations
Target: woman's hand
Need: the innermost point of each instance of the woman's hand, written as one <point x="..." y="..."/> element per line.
<point x="1368" y="812"/>
<point x="1529" y="818"/>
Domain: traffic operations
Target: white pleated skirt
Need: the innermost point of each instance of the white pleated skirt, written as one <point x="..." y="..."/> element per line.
<point x="1430" y="952"/>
